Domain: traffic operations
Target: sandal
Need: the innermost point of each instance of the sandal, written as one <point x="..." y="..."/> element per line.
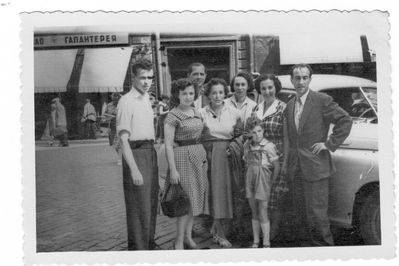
<point x="224" y="243"/>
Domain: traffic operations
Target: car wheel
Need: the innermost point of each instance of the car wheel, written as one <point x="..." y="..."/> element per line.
<point x="369" y="218"/>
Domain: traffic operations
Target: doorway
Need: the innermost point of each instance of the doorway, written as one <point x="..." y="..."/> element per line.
<point x="219" y="59"/>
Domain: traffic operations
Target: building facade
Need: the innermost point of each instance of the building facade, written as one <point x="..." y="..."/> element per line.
<point x="78" y="65"/>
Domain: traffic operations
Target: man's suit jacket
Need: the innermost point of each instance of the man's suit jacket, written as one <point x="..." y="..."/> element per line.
<point x="318" y="113"/>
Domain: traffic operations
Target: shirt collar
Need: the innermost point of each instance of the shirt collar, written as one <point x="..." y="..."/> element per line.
<point x="182" y="115"/>
<point x="137" y="94"/>
<point x="272" y="109"/>
<point x="304" y="97"/>
<point x="233" y="100"/>
<point x="210" y="110"/>
<point x="262" y="143"/>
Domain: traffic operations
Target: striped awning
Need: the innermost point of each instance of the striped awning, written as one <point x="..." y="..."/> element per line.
<point x="104" y="69"/>
<point x="52" y="69"/>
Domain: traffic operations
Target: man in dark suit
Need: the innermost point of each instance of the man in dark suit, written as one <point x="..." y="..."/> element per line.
<point x="308" y="119"/>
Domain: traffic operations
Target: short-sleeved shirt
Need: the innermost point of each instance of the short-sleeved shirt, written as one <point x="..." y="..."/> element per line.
<point x="135" y="115"/>
<point x="267" y="149"/>
<point x="89" y="112"/>
<point x="245" y="109"/>
<point x="187" y="127"/>
<point x="220" y="127"/>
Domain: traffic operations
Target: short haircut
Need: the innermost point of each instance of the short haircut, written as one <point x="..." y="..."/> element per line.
<point x="196" y="64"/>
<point x="301" y="66"/>
<point x="247" y="77"/>
<point x="177" y="86"/>
<point x="213" y="82"/>
<point x="252" y="122"/>
<point x="143" y="64"/>
<point x="274" y="78"/>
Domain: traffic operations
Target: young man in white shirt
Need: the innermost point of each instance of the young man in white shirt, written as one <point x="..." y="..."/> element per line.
<point x="140" y="169"/>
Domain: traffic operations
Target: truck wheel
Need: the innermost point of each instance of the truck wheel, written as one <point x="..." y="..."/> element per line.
<point x="369" y="218"/>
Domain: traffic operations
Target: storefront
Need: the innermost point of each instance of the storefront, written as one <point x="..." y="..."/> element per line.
<point x="81" y="64"/>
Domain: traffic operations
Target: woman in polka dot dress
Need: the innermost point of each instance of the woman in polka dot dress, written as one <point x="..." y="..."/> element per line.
<point x="187" y="162"/>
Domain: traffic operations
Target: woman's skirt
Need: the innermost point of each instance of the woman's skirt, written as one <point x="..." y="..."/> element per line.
<point x="192" y="166"/>
<point x="220" y="179"/>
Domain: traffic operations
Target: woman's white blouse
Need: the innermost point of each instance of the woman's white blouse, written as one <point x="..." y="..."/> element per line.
<point x="221" y="127"/>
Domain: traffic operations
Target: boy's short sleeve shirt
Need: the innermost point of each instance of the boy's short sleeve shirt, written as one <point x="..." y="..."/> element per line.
<point x="135" y="116"/>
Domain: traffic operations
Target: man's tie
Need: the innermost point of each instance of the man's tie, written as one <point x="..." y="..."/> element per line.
<point x="298" y="112"/>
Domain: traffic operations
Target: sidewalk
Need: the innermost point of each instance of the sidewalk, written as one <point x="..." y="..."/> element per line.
<point x="75" y="141"/>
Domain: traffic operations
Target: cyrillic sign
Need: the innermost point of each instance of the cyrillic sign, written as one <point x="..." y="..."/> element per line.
<point x="80" y="40"/>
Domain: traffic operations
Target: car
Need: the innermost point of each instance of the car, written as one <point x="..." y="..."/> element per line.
<point x="354" y="188"/>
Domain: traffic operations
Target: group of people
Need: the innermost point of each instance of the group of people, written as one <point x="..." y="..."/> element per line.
<point x="217" y="147"/>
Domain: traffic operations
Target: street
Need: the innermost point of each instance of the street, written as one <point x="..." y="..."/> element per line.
<point x="80" y="204"/>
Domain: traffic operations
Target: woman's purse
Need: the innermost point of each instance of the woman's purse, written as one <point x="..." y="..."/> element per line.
<point x="176" y="202"/>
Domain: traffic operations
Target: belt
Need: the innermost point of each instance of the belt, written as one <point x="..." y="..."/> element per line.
<point x="187" y="142"/>
<point x="141" y="144"/>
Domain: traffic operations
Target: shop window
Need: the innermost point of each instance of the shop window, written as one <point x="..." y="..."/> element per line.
<point x="215" y="59"/>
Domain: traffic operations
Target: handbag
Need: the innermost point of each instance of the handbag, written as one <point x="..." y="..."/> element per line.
<point x="175" y="203"/>
<point x="58" y="131"/>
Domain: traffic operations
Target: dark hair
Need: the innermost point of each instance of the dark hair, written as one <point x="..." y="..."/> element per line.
<point x="115" y="95"/>
<point x="252" y="122"/>
<point x="143" y="64"/>
<point x="247" y="77"/>
<point x="301" y="66"/>
<point x="276" y="82"/>
<point x="192" y="65"/>
<point x="213" y="82"/>
<point x="177" y="86"/>
<point x="163" y="97"/>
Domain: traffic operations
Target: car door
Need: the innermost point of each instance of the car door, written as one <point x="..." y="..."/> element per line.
<point x="356" y="161"/>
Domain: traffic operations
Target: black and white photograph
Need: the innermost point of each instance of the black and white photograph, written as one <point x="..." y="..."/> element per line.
<point x="265" y="137"/>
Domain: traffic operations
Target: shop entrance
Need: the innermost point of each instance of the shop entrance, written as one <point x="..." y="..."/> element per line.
<point x="218" y="58"/>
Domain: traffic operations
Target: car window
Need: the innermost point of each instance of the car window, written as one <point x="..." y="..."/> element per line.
<point x="371" y="94"/>
<point x="353" y="101"/>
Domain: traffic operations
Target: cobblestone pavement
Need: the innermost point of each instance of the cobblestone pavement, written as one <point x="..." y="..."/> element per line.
<point x="80" y="204"/>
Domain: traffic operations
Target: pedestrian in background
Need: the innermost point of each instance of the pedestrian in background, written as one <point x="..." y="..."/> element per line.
<point x="134" y="123"/>
<point x="110" y="115"/>
<point x="187" y="162"/>
<point x="59" y="122"/>
<point x="221" y="121"/>
<point x="163" y="110"/>
<point x="89" y="118"/>
<point x="154" y="106"/>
